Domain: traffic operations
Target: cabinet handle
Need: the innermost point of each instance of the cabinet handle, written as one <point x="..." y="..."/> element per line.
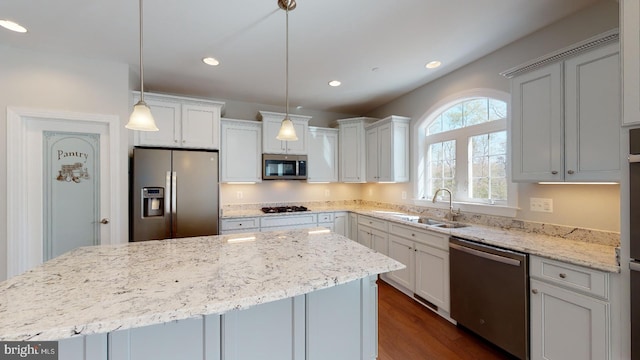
<point x="563" y="275"/>
<point x="554" y="172"/>
<point x="535" y="291"/>
<point x="571" y="172"/>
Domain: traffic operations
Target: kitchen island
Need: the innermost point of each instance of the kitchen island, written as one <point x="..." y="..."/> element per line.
<point x="285" y="294"/>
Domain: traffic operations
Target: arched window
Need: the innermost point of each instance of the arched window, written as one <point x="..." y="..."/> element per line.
<point x="463" y="147"/>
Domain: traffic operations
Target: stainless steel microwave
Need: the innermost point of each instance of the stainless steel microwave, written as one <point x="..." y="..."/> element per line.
<point x="284" y="167"/>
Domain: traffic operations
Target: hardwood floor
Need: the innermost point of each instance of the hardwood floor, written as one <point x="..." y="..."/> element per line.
<point x="407" y="330"/>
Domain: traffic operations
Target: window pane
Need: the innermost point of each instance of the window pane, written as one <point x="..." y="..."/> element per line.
<point x="435" y="127"/>
<point x="441" y="166"/>
<point x="452" y="118"/>
<point x="476" y="112"/>
<point x="498" y="141"/>
<point x="487" y="169"/>
<point x="497" y="109"/>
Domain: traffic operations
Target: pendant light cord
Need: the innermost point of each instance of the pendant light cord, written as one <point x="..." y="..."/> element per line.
<point x="287" y="61"/>
<point x="141" y="67"/>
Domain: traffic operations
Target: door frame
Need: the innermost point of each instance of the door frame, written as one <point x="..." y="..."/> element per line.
<point x="18" y="250"/>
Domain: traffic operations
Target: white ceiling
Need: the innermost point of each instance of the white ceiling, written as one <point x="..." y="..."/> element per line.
<point x="329" y="39"/>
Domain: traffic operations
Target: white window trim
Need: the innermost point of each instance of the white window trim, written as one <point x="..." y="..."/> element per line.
<point x="419" y="152"/>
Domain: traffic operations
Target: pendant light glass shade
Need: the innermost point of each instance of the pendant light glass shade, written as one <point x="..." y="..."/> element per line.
<point x="287" y="131"/>
<point x="141" y="118"/>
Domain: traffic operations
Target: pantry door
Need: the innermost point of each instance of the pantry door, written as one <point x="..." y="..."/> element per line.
<point x="59" y="185"/>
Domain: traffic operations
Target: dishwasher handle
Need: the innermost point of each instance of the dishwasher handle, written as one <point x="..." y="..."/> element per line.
<point x="482" y="254"/>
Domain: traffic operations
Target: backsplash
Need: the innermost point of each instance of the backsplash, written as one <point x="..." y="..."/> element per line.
<point x="566" y="232"/>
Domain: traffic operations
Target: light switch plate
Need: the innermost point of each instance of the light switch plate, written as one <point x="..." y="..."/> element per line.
<point x="541" y="205"/>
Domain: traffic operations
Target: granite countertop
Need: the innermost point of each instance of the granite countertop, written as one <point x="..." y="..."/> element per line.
<point x="99" y="289"/>
<point x="592" y="255"/>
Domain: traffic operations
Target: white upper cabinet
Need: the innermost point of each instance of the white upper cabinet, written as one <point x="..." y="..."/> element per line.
<point x="561" y="111"/>
<point x="183" y="122"/>
<point x="271" y="126"/>
<point x="241" y="151"/>
<point x="387" y="149"/>
<point x="630" y="21"/>
<point x="352" y="149"/>
<point x="322" y="160"/>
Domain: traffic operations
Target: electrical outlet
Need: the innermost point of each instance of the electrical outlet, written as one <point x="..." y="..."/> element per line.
<point x="327" y="192"/>
<point x="404" y="195"/>
<point x="239" y="195"/>
<point x="541" y="205"/>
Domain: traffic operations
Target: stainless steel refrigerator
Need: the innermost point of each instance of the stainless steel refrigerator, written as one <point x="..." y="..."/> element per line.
<point x="174" y="194"/>
<point x="634" y="265"/>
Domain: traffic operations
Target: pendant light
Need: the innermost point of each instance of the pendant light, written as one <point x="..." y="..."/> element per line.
<point x="287" y="131"/>
<point x="141" y="118"/>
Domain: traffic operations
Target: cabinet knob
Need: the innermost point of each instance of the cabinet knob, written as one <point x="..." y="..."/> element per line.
<point x="535" y="291"/>
<point x="571" y="172"/>
<point x="563" y="275"/>
<point x="413" y="234"/>
<point x="239" y="224"/>
<point x="184" y="141"/>
<point x="554" y="172"/>
<point x="175" y="141"/>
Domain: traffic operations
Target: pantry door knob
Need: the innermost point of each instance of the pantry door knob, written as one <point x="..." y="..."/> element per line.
<point x="104" y="221"/>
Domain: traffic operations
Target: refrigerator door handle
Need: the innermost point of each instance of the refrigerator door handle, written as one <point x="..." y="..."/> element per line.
<point x="634" y="158"/>
<point x="174" y="204"/>
<point x="634" y="266"/>
<point x="167" y="203"/>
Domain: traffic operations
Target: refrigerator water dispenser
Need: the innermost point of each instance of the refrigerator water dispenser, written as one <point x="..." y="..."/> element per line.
<point x="152" y="202"/>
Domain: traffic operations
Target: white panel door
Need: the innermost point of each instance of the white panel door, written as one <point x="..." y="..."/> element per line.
<point x="200" y="126"/>
<point x="432" y="275"/>
<point x="241" y="151"/>
<point x="29" y="251"/>
<point x="567" y="325"/>
<point x="167" y="116"/>
<point x="403" y="251"/>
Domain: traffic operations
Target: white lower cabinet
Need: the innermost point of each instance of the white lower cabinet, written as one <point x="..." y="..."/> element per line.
<point x="426" y="256"/>
<point x="338" y="323"/>
<point x="239" y="225"/>
<point x="340" y="223"/>
<point x="569" y="311"/>
<point x="353" y="226"/>
<point x="372" y="233"/>
<point x="93" y="347"/>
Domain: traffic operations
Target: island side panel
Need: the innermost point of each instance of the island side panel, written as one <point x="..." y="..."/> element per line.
<point x="266" y="331"/>
<point x="334" y="322"/>
<point x="91" y="347"/>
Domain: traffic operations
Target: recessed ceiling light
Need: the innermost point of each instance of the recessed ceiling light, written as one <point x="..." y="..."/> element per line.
<point x="10" y="25"/>
<point x="433" y="64"/>
<point x="211" y="61"/>
<point x="334" y="83"/>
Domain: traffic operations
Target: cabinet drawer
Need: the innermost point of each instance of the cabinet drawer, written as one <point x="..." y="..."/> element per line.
<point x="588" y="281"/>
<point x="325" y="218"/>
<point x="288" y="220"/>
<point x="425" y="237"/>
<point x="372" y="222"/>
<point x="239" y="224"/>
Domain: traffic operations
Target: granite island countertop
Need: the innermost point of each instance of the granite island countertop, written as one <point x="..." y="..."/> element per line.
<point x="584" y="253"/>
<point x="99" y="289"/>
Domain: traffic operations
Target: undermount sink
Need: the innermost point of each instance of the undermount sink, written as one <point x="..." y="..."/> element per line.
<point x="441" y="224"/>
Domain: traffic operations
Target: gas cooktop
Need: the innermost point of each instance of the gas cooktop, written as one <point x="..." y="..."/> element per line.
<point x="283" y="209"/>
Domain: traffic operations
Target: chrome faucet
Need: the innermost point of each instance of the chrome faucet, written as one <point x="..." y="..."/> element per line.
<point x="452" y="213"/>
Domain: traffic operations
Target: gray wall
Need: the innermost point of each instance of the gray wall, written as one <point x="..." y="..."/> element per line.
<point x="54" y="82"/>
<point x="590" y="206"/>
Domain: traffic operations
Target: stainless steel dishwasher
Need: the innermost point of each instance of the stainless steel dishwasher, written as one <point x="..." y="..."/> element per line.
<point x="489" y="293"/>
